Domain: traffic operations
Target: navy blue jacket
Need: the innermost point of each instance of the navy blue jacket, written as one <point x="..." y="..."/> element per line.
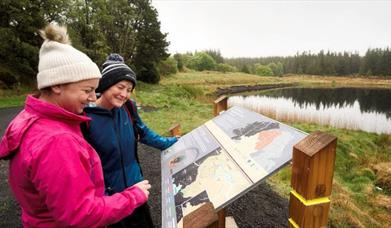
<point x="112" y="135"/>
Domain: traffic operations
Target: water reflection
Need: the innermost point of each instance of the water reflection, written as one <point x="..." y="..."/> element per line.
<point x="358" y="109"/>
<point x="378" y="100"/>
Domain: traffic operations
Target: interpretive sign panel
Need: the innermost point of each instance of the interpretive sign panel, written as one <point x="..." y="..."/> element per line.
<point x="221" y="160"/>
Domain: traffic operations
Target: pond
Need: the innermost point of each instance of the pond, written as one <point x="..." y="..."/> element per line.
<point x="365" y="109"/>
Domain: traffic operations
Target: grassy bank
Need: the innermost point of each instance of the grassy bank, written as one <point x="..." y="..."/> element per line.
<point x="361" y="198"/>
<point x="13" y="97"/>
<point x="361" y="193"/>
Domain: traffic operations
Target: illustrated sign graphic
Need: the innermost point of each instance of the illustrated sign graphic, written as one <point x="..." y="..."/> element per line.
<point x="221" y="160"/>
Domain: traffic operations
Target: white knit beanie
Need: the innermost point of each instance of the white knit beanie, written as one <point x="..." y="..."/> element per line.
<point x="59" y="62"/>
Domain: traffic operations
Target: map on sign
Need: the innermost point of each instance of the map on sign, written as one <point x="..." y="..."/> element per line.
<point x="221" y="160"/>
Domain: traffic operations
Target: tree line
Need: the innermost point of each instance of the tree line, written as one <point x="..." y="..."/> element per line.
<point x="375" y="62"/>
<point x="131" y="28"/>
<point x="96" y="27"/>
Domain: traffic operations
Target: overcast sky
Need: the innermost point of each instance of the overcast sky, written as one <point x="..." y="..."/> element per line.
<point x="274" y="28"/>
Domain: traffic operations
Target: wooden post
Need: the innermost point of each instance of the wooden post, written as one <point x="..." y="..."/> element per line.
<point x="175" y="130"/>
<point x="220" y="105"/>
<point x="221" y="216"/>
<point x="312" y="176"/>
<point x="205" y="216"/>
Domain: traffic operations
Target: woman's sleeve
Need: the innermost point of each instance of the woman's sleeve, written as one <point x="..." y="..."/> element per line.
<point x="62" y="174"/>
<point x="151" y="138"/>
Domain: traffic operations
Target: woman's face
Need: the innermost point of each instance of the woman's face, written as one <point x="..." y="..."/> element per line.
<point x="74" y="96"/>
<point x="116" y="95"/>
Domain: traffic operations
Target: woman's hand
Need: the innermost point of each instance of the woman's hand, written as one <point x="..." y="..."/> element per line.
<point x="144" y="186"/>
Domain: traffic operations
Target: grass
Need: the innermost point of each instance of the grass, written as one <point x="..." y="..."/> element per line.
<point x="354" y="193"/>
<point x="210" y="81"/>
<point x="182" y="104"/>
<point x="13" y="97"/>
<point x="12" y="101"/>
<point x="356" y="201"/>
<point x="355" y="196"/>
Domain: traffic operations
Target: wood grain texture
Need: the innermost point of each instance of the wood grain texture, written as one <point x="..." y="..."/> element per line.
<point x="313" y="162"/>
<point x="312" y="172"/>
<point x="315" y="142"/>
<point x="205" y="216"/>
<point x="220" y="104"/>
<point x="308" y="216"/>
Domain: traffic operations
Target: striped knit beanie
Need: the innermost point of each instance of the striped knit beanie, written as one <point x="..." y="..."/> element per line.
<point x="115" y="70"/>
<point x="59" y="62"/>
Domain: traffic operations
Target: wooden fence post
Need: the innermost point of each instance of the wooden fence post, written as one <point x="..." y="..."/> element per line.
<point x="175" y="130"/>
<point x="312" y="177"/>
<point x="203" y="217"/>
<point x="220" y="105"/>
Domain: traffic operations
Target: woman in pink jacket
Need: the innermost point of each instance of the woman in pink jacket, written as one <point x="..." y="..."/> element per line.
<point x="55" y="175"/>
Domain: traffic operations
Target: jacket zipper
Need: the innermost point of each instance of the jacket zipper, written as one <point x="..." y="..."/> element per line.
<point x="120" y="151"/>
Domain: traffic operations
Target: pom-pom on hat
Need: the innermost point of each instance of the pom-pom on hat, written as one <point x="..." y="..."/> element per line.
<point x="59" y="62"/>
<point x="115" y="70"/>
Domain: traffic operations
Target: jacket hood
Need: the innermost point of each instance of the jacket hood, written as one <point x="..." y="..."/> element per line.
<point x="34" y="110"/>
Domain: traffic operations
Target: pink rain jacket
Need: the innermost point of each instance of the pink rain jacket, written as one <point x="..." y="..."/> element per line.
<point x="56" y="175"/>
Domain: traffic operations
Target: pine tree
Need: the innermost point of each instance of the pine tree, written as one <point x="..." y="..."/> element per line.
<point x="20" y="42"/>
<point x="151" y="45"/>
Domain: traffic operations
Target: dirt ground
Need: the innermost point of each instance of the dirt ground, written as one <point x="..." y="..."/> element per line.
<point x="261" y="207"/>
